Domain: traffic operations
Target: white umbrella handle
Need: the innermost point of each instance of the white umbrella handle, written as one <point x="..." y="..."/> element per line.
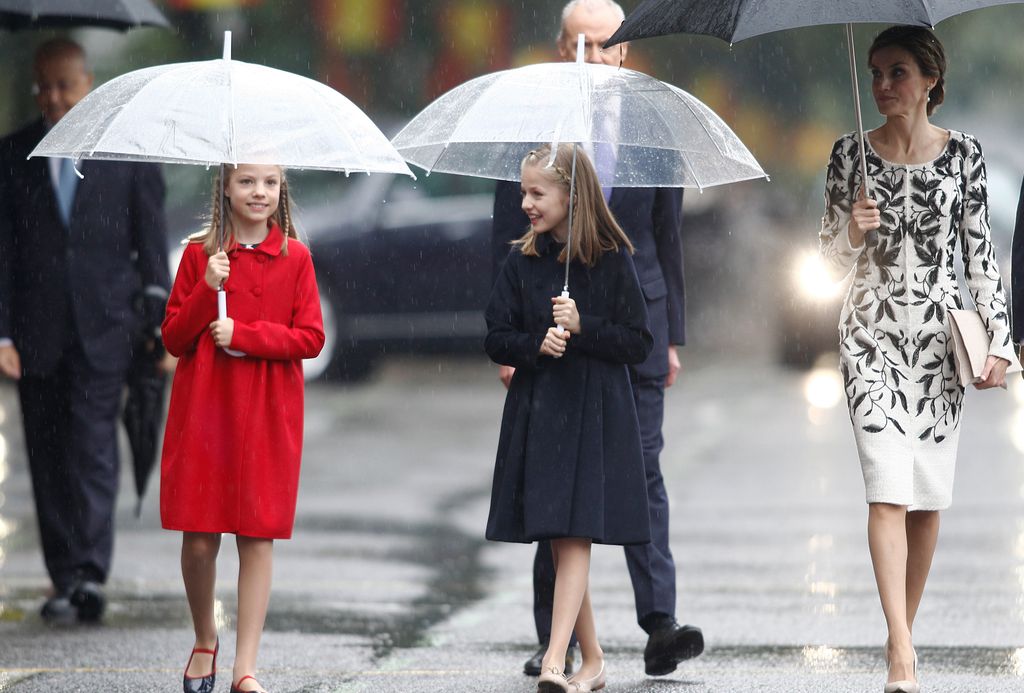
<point x="872" y="235"/>
<point x="559" y="328"/>
<point x="222" y="312"/>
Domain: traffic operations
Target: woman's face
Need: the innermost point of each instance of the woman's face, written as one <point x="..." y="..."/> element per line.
<point x="545" y="201"/>
<point x="898" y="85"/>
<point x="254" y="192"/>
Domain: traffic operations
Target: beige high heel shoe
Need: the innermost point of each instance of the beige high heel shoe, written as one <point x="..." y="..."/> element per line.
<point x="552" y="681"/>
<point x="902" y="686"/>
<point x="594" y="683"/>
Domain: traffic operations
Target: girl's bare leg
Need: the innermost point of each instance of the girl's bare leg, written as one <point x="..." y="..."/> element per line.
<point x="255" y="559"/>
<point x="199" y="572"/>
<point x="572" y="569"/>
<point x="586" y="634"/>
<point x="887" y="541"/>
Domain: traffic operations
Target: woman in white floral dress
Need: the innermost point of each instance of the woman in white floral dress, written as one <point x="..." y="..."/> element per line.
<point x="927" y="197"/>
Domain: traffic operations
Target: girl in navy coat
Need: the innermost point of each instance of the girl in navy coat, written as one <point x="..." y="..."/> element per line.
<point x="569" y="466"/>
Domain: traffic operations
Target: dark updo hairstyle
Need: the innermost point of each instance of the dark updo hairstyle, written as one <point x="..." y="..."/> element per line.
<point x="927" y="51"/>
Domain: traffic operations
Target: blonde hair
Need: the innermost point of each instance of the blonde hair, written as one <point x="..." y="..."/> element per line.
<point x="594" y="229"/>
<point x="210" y="237"/>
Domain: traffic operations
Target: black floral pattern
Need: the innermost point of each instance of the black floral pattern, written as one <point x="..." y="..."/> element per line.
<point x="895" y="346"/>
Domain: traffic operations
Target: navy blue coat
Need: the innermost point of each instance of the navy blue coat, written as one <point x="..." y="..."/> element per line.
<point x="1017" y="274"/>
<point x="88" y="277"/>
<point x="569" y="460"/>
<point x="651" y="219"/>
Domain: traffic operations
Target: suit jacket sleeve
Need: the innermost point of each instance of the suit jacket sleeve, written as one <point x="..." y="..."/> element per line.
<point x="624" y="337"/>
<point x="508" y="224"/>
<point x="1017" y="272"/>
<point x="302" y="339"/>
<point x="192" y="305"/>
<point x="667" y="213"/>
<point x="507" y="341"/>
<point x="149" y="233"/>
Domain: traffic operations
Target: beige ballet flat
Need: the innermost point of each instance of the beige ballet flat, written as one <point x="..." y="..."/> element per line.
<point x="552" y="681"/>
<point x="595" y="683"/>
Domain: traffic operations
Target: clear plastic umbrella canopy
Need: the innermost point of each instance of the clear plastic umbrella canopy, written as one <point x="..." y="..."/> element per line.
<point x="222" y="111"/>
<point x="661" y="135"/>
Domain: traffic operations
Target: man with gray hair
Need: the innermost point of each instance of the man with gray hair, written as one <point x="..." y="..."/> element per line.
<point x="83" y="276"/>
<point x="651" y="219"/>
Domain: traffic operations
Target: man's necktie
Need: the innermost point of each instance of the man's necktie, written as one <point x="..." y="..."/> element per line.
<point x="67" y="183"/>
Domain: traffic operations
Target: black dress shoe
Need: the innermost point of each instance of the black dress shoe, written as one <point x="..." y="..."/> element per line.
<point x="535" y="663"/>
<point x="669" y="645"/>
<point x="58" y="610"/>
<point x="90" y="601"/>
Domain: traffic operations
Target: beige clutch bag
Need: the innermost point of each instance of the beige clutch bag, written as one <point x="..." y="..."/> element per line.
<point x="970" y="346"/>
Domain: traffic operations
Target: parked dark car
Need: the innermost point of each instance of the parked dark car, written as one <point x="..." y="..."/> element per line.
<point x="402" y="265"/>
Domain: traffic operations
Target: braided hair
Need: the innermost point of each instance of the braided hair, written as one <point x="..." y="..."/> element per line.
<point x="219" y="228"/>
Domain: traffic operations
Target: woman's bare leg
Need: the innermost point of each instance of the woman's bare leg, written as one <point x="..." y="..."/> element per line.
<point x="922" y="536"/>
<point x="887" y="541"/>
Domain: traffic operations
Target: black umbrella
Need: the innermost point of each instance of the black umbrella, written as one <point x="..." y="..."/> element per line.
<point x="143" y="415"/>
<point x="113" y="14"/>
<point x="736" y="20"/>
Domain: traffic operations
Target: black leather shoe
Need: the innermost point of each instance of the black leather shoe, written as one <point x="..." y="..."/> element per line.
<point x="669" y="645"/>
<point x="90" y="601"/>
<point x="535" y="663"/>
<point x="58" y="610"/>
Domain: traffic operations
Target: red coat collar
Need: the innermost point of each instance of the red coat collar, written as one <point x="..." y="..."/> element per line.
<point x="272" y="244"/>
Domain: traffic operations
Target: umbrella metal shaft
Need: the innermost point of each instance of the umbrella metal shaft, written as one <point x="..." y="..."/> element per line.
<point x="856" y="106"/>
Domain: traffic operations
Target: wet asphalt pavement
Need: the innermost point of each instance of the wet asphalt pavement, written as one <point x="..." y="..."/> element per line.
<point x="388" y="585"/>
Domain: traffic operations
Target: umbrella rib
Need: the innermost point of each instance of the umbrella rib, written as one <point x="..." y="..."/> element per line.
<point x="121" y="112"/>
<point x="344" y="131"/>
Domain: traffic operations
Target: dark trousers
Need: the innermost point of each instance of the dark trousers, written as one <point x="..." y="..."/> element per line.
<point x="70" y="418"/>
<point x="651" y="567"/>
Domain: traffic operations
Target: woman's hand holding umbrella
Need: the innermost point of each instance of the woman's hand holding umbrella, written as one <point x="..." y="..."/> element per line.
<point x="865" y="219"/>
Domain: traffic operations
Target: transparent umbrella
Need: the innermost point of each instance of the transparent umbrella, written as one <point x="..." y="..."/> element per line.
<point x="661" y="136"/>
<point x="222" y="112"/>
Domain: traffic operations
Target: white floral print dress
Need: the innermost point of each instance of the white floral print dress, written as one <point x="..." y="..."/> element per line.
<point x="895" y="347"/>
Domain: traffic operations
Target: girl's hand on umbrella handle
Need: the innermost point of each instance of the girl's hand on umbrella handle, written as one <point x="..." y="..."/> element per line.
<point x="218" y="267"/>
<point x="554" y="344"/>
<point x="222" y="331"/>
<point x="565" y="314"/>
<point x="865" y="218"/>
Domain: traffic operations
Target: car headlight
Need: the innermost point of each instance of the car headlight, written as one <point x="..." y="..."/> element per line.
<point x="813" y="280"/>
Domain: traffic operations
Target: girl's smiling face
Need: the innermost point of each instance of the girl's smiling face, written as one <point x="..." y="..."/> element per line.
<point x="545" y="201"/>
<point x="898" y="85"/>
<point x="254" y="191"/>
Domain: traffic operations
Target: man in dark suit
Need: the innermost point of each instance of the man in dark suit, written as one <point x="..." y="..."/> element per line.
<point x="1017" y="277"/>
<point x="651" y="218"/>
<point x="78" y="257"/>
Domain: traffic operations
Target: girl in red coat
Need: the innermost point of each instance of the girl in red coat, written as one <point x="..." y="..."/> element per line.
<point x="234" y="430"/>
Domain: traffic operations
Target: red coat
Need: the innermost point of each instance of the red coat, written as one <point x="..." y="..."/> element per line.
<point x="233" y="441"/>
